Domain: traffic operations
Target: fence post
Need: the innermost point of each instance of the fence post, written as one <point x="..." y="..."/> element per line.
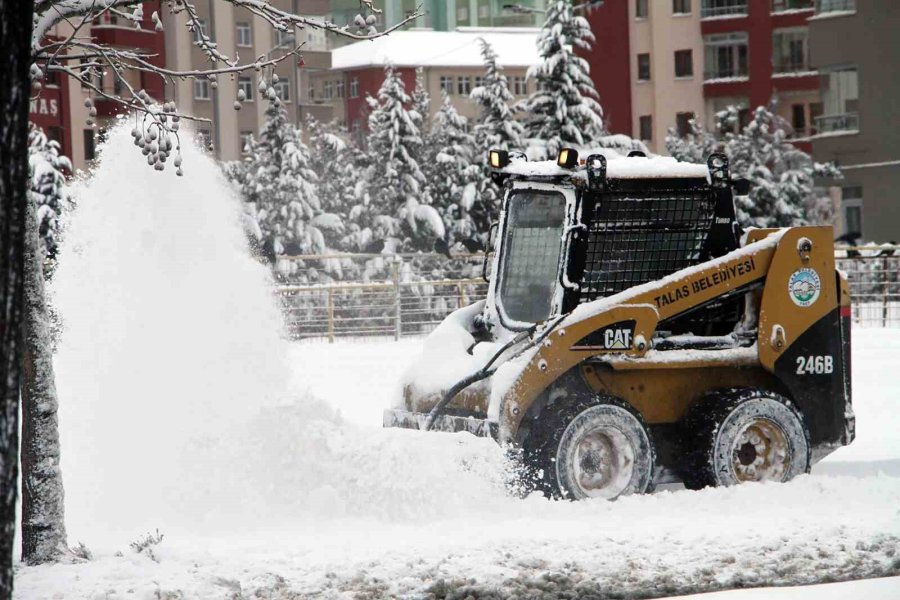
<point x="884" y="292"/>
<point x="461" y="293"/>
<point x="330" y="315"/>
<point x="398" y="323"/>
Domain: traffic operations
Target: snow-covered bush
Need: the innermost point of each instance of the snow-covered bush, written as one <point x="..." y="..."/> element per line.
<point x="48" y="190"/>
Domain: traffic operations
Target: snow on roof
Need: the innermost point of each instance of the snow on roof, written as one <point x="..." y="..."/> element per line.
<point x="515" y="47"/>
<point x="617" y="167"/>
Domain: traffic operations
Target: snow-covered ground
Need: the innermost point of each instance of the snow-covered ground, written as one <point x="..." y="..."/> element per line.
<point x="264" y="466"/>
<point x="841" y="522"/>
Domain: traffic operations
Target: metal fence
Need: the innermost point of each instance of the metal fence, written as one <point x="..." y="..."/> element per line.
<point x="397" y="306"/>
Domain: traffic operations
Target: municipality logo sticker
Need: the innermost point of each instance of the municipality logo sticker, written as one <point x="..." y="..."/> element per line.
<point x="804" y="286"/>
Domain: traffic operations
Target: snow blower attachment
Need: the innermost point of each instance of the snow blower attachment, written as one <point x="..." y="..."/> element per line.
<point x="633" y="335"/>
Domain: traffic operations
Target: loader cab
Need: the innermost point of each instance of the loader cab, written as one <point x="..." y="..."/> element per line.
<point x="575" y="231"/>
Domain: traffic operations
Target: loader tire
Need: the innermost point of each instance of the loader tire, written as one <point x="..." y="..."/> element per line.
<point x="592" y="446"/>
<point x="734" y="436"/>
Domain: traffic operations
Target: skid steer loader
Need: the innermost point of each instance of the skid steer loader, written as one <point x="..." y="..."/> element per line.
<point x="634" y="335"/>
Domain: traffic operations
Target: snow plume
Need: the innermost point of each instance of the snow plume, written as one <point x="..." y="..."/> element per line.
<point x="176" y="405"/>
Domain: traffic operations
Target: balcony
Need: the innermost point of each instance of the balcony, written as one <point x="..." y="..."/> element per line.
<point x="723" y="8"/>
<point x="835" y="6"/>
<point x="847" y="122"/>
<point x="788" y="67"/>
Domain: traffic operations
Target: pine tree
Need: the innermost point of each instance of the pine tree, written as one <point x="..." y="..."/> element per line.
<point x="329" y="159"/>
<point x="453" y="178"/>
<point x="564" y="111"/>
<point x="782" y="176"/>
<point x="396" y="182"/>
<point x="279" y="182"/>
<point x="496" y="128"/>
<point x="48" y="190"/>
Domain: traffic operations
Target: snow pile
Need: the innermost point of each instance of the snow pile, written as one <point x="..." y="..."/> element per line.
<point x="178" y="406"/>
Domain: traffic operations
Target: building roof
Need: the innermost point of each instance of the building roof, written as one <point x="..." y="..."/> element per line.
<point x="515" y="47"/>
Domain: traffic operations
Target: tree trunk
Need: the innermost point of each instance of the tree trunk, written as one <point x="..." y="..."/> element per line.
<point x="15" y="50"/>
<point x="43" y="512"/>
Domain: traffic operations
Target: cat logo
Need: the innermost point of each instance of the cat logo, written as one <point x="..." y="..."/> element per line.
<point x="617" y="339"/>
<point x="616" y="336"/>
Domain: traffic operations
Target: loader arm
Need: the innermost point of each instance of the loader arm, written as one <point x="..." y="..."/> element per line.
<point x="622" y="326"/>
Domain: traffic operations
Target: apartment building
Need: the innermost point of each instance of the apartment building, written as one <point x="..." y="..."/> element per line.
<point x="693" y="58"/>
<point x="59" y="107"/>
<point x="447" y="15"/>
<point x="853" y="49"/>
<point x="237" y="31"/>
<point x="450" y="60"/>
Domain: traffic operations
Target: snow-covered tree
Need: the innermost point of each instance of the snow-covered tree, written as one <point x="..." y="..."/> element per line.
<point x="564" y="111"/>
<point x="396" y="182"/>
<point x="782" y="176"/>
<point x="329" y="159"/>
<point x="48" y="189"/>
<point x="496" y="128"/>
<point x="452" y="177"/>
<point x="280" y="183"/>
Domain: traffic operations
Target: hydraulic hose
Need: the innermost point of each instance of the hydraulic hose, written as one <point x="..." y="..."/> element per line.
<point x="486" y="371"/>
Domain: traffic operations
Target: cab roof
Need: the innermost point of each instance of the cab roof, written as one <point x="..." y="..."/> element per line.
<point x="617" y="167"/>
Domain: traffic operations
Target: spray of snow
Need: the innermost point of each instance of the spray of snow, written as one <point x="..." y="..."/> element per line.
<point x="178" y="407"/>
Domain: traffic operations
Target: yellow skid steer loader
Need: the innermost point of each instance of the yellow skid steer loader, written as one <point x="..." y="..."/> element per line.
<point x="634" y="335"/>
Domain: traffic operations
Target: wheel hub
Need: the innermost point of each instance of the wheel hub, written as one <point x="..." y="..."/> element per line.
<point x="603" y="462"/>
<point x="761" y="452"/>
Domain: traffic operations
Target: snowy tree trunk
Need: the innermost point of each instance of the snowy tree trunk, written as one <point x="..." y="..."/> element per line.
<point x="15" y="39"/>
<point x="43" y="523"/>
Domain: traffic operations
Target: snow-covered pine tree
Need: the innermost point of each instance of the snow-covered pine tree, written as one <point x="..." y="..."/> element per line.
<point x="782" y="176"/>
<point x="452" y="177"/>
<point x="695" y="146"/>
<point x="496" y="128"/>
<point x="48" y="190"/>
<point x="396" y="182"/>
<point x="330" y="161"/>
<point x="564" y="111"/>
<point x="280" y="183"/>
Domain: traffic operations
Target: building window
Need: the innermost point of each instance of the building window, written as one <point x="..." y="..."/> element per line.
<point x="327" y="90"/>
<point x="245" y="84"/>
<point x="646" y="126"/>
<point x="244" y="35"/>
<point x="840" y="100"/>
<point x="520" y="86"/>
<point x="484" y="11"/>
<point x="824" y="6"/>
<point x="205" y="138"/>
<point x="200" y="31"/>
<point x="681" y="7"/>
<point x="339" y="88"/>
<point x="726" y="55"/>
<point x="479" y="81"/>
<point x="463" y="85"/>
<point x="641" y="9"/>
<point x="283" y="38"/>
<point x="201" y="89"/>
<point x="798" y="119"/>
<point x="684" y="63"/>
<point x="283" y="89"/>
<point x="683" y="123"/>
<point x="852" y="198"/>
<point x="790" y="50"/>
<point x="447" y="85"/>
<point x="89" y="148"/>
<point x="462" y="13"/>
<point x="354" y="88"/>
<point x="643" y="69"/>
<point x="721" y="8"/>
<point x="245" y="141"/>
<point x="783" y="5"/>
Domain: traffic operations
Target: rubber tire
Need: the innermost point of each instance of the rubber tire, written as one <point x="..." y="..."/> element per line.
<point x="710" y="427"/>
<point x="541" y="447"/>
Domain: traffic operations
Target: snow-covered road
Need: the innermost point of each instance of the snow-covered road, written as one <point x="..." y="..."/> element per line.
<point x="420" y="515"/>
